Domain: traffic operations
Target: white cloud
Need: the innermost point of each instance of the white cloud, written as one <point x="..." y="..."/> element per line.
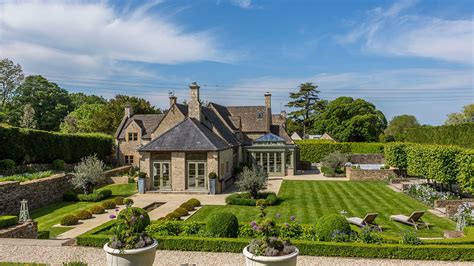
<point x="242" y="3"/>
<point x="391" y="32"/>
<point x="89" y="36"/>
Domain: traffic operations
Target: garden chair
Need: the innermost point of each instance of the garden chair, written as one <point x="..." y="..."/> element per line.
<point x="367" y="221"/>
<point x="414" y="219"/>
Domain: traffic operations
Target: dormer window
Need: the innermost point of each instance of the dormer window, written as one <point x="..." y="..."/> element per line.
<point x="132" y="136"/>
<point x="260" y="115"/>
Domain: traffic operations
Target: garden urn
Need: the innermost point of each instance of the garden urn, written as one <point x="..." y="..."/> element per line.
<point x="285" y="260"/>
<point x="131" y="257"/>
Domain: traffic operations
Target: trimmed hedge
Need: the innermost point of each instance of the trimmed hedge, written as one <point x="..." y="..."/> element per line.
<point x="315" y="150"/>
<point x="461" y="135"/>
<point x="37" y="146"/>
<point x="93" y="197"/>
<point x="222" y="224"/>
<point x="465" y="162"/>
<point x="8" y="220"/>
<point x="69" y="220"/>
<point x="244" y="199"/>
<point x="43" y="234"/>
<point x="395" y="155"/>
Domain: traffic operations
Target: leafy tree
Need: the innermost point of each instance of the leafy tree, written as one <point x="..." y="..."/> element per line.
<point x="11" y="76"/>
<point x="50" y="102"/>
<point x="467" y="115"/>
<point x="88" y="173"/>
<point x="84" y="119"/>
<point x="347" y="119"/>
<point x="78" y="99"/>
<point x="306" y="103"/>
<point x="28" y="119"/>
<point x="252" y="181"/>
<point x="399" y="125"/>
<point x="113" y="112"/>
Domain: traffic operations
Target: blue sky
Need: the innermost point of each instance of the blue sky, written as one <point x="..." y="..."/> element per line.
<point x="407" y="57"/>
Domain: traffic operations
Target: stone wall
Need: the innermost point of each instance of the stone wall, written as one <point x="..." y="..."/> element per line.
<point x="38" y="193"/>
<point x="28" y="229"/>
<point x="444" y="203"/>
<point x="367" y="159"/>
<point x="368" y="175"/>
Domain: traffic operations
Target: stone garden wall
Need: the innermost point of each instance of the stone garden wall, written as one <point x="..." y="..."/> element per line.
<point x="28" y="229"/>
<point x="369" y="175"/>
<point x="367" y="159"/>
<point x="38" y="193"/>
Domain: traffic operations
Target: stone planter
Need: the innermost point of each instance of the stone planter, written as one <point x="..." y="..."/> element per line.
<point x="131" y="257"/>
<point x="212" y="186"/>
<point x="286" y="260"/>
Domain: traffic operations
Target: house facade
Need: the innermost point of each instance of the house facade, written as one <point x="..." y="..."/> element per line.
<point x="178" y="149"/>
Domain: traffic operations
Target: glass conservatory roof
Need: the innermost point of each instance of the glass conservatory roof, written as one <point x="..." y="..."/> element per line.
<point x="269" y="137"/>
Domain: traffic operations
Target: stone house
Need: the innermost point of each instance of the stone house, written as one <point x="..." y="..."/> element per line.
<point x="178" y="149"/>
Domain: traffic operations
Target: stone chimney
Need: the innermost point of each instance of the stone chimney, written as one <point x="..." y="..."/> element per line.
<point x="173" y="100"/>
<point x="268" y="109"/>
<point x="283" y="115"/>
<point x="128" y="110"/>
<point x="194" y="106"/>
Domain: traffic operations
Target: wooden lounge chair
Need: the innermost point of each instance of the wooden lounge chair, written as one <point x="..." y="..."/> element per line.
<point x="367" y="221"/>
<point x="414" y="219"/>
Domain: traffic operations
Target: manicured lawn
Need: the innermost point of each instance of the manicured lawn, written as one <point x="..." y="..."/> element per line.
<point x="27" y="176"/>
<point x="308" y="200"/>
<point x="52" y="214"/>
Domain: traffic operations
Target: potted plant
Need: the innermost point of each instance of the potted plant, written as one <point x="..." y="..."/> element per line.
<point x="269" y="249"/>
<point x="212" y="183"/>
<point x="141" y="182"/>
<point x="130" y="244"/>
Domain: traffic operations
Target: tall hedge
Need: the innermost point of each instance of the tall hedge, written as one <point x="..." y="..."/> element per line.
<point x="312" y="150"/>
<point x="460" y="135"/>
<point x="465" y="162"/>
<point x="37" y="146"/>
<point x="395" y="155"/>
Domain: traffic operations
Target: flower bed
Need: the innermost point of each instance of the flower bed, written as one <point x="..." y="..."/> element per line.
<point x="428" y="195"/>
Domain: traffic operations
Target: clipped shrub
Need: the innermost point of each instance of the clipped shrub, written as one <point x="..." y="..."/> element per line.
<point x="312" y="150"/>
<point x="83" y="215"/>
<point x="93" y="197"/>
<point x="194" y="202"/>
<point x="69" y="220"/>
<point x="106" y="193"/>
<point x="244" y="199"/>
<point x="8" y="220"/>
<point x="271" y="199"/>
<point x="97" y="209"/>
<point x="187" y="206"/>
<point x="43" y="234"/>
<point x="172" y="216"/>
<point x="395" y="155"/>
<point x="222" y="224"/>
<point x="212" y="175"/>
<point x="7" y="164"/>
<point x="70" y="196"/>
<point x="164" y="228"/>
<point x="139" y="215"/>
<point x="119" y="200"/>
<point x="59" y="165"/>
<point x="409" y="237"/>
<point x="461" y="135"/>
<point x="329" y="225"/>
<point x="108" y="204"/>
<point x="465" y="177"/>
<point x="181" y="211"/>
<point x="128" y="202"/>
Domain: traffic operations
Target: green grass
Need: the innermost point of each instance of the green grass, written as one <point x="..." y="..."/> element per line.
<point x="52" y="214"/>
<point x="27" y="176"/>
<point x="308" y="200"/>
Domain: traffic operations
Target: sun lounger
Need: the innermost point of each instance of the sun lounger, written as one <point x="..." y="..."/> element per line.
<point x="367" y="221"/>
<point x="414" y="219"/>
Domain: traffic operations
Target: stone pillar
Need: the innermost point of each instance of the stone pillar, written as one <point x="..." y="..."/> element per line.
<point x="128" y="110"/>
<point x="283" y="163"/>
<point x="178" y="171"/>
<point x="145" y="165"/>
<point x="213" y="166"/>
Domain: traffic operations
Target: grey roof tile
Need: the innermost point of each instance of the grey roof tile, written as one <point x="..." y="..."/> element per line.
<point x="147" y="123"/>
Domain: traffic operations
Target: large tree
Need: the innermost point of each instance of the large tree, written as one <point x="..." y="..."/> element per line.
<point x="114" y="111"/>
<point x="399" y="125"/>
<point x="347" y="119"/>
<point x="84" y="119"/>
<point x="467" y="115"/>
<point x="49" y="101"/>
<point x="11" y="76"/>
<point x="78" y="99"/>
<point x="306" y="104"/>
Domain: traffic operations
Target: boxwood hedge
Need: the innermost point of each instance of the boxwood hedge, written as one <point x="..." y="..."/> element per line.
<point x="461" y="135"/>
<point x="8" y="220"/>
<point x="315" y="150"/>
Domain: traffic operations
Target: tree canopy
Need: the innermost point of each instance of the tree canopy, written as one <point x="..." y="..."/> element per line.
<point x="467" y="115"/>
<point x="400" y="124"/>
<point x="11" y="76"/>
<point x="347" y="119"/>
<point x="84" y="119"/>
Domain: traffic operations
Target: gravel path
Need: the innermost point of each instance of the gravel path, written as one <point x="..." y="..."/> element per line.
<point x="95" y="256"/>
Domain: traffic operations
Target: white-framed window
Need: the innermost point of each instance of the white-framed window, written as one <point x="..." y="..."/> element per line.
<point x="128" y="159"/>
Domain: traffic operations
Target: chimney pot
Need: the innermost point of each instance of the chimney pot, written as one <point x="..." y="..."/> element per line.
<point x="194" y="106"/>
<point x="173" y="100"/>
<point x="128" y="110"/>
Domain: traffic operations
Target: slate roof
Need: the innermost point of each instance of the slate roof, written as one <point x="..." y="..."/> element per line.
<point x="217" y="123"/>
<point x="188" y="135"/>
<point x="280" y="131"/>
<point x="147" y="123"/>
<point x="252" y="118"/>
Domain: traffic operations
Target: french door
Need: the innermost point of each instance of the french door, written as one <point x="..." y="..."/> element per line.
<point x="197" y="176"/>
<point x="161" y="175"/>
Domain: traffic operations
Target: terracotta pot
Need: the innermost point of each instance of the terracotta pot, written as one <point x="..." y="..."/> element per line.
<point x="131" y="257"/>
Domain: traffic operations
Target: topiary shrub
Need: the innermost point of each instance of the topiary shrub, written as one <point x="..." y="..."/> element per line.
<point x="59" y="165"/>
<point x="181" y="211"/>
<point x="8" y="220"/>
<point x="108" y="204"/>
<point x="172" y="216"/>
<point x="194" y="202"/>
<point x="7" y="164"/>
<point x="119" y="200"/>
<point x="137" y="217"/>
<point x="128" y="202"/>
<point x="70" y="196"/>
<point x="69" y="220"/>
<point x="97" y="209"/>
<point x="222" y="224"/>
<point x="43" y="234"/>
<point x="94" y="197"/>
<point x="329" y="225"/>
<point x="187" y="206"/>
<point x="84" y="215"/>
<point x="106" y="193"/>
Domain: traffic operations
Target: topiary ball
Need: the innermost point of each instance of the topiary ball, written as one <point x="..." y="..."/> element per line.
<point x="69" y="220"/>
<point x="135" y="217"/>
<point x="172" y="216"/>
<point x="187" y="205"/>
<point x="119" y="200"/>
<point x="97" y="209"/>
<point x="222" y="224"/>
<point x="108" y="204"/>
<point x="328" y="225"/>
<point x="83" y="215"/>
<point x="194" y="202"/>
<point x="181" y="211"/>
<point x="128" y="202"/>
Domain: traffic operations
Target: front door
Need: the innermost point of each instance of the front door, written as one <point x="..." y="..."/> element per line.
<point x="161" y="175"/>
<point x="197" y="176"/>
